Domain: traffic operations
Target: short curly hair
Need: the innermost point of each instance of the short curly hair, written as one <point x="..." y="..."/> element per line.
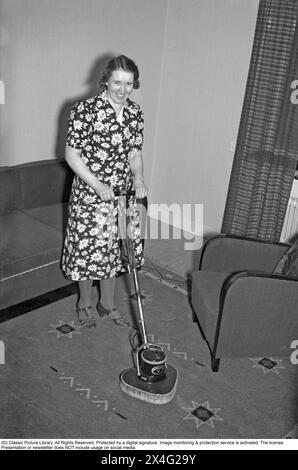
<point x="124" y="63"/>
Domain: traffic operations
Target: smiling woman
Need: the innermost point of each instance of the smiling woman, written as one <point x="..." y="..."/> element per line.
<point x="104" y="149"/>
<point x="120" y="86"/>
<point x="121" y="77"/>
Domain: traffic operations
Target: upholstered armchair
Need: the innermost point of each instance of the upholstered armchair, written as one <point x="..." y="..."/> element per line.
<point x="242" y="308"/>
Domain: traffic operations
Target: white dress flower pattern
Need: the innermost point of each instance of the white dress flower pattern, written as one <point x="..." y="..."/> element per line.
<point x="91" y="246"/>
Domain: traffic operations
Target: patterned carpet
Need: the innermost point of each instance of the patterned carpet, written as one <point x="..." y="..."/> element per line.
<point x="61" y="380"/>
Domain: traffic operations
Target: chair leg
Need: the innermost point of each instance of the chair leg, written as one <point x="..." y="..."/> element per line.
<point x="215" y="364"/>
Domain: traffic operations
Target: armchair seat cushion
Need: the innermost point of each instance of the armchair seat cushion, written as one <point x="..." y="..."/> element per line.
<point x="206" y="289"/>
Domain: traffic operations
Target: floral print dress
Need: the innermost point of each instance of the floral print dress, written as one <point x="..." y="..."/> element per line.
<point x="91" y="247"/>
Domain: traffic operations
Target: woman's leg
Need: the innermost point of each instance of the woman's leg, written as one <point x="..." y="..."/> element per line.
<point x="84" y="305"/>
<point x="107" y="291"/>
<point x="85" y="288"/>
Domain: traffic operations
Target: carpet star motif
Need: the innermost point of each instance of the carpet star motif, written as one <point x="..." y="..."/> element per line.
<point x="268" y="364"/>
<point x="202" y="413"/>
<point x="293" y="434"/>
<point x="65" y="329"/>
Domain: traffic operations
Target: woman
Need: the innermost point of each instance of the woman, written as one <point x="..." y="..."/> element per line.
<point x="104" y="149"/>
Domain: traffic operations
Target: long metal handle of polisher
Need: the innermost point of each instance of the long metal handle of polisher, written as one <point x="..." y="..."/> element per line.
<point x="140" y="305"/>
<point x="128" y="243"/>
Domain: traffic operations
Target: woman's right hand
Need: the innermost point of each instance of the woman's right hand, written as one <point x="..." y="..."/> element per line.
<point x="105" y="192"/>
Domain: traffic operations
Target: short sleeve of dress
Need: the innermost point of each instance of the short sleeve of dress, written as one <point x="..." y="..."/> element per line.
<point x="79" y="125"/>
<point x="139" y="139"/>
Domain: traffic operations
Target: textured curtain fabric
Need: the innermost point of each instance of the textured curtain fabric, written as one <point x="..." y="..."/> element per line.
<point x="267" y="144"/>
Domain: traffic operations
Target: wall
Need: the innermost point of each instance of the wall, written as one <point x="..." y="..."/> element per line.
<point x="193" y="56"/>
<point x="53" y="51"/>
<point x="204" y="69"/>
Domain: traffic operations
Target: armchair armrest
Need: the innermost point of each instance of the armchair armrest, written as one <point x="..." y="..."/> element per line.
<point x="257" y="315"/>
<point x="229" y="253"/>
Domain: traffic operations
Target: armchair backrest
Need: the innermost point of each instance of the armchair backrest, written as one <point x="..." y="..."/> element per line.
<point x="257" y="315"/>
<point x="223" y="253"/>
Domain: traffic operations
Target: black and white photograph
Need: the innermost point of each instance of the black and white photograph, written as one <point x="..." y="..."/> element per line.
<point x="148" y="227"/>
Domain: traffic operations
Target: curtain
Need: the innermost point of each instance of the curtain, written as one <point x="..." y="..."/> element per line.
<point x="267" y="144"/>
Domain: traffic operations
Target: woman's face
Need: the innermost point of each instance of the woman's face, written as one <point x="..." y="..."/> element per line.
<point x="120" y="86"/>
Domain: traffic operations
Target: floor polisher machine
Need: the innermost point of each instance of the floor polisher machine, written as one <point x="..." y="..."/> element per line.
<point x="151" y="379"/>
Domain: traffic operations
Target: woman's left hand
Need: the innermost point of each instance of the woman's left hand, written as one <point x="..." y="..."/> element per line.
<point x="140" y="189"/>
